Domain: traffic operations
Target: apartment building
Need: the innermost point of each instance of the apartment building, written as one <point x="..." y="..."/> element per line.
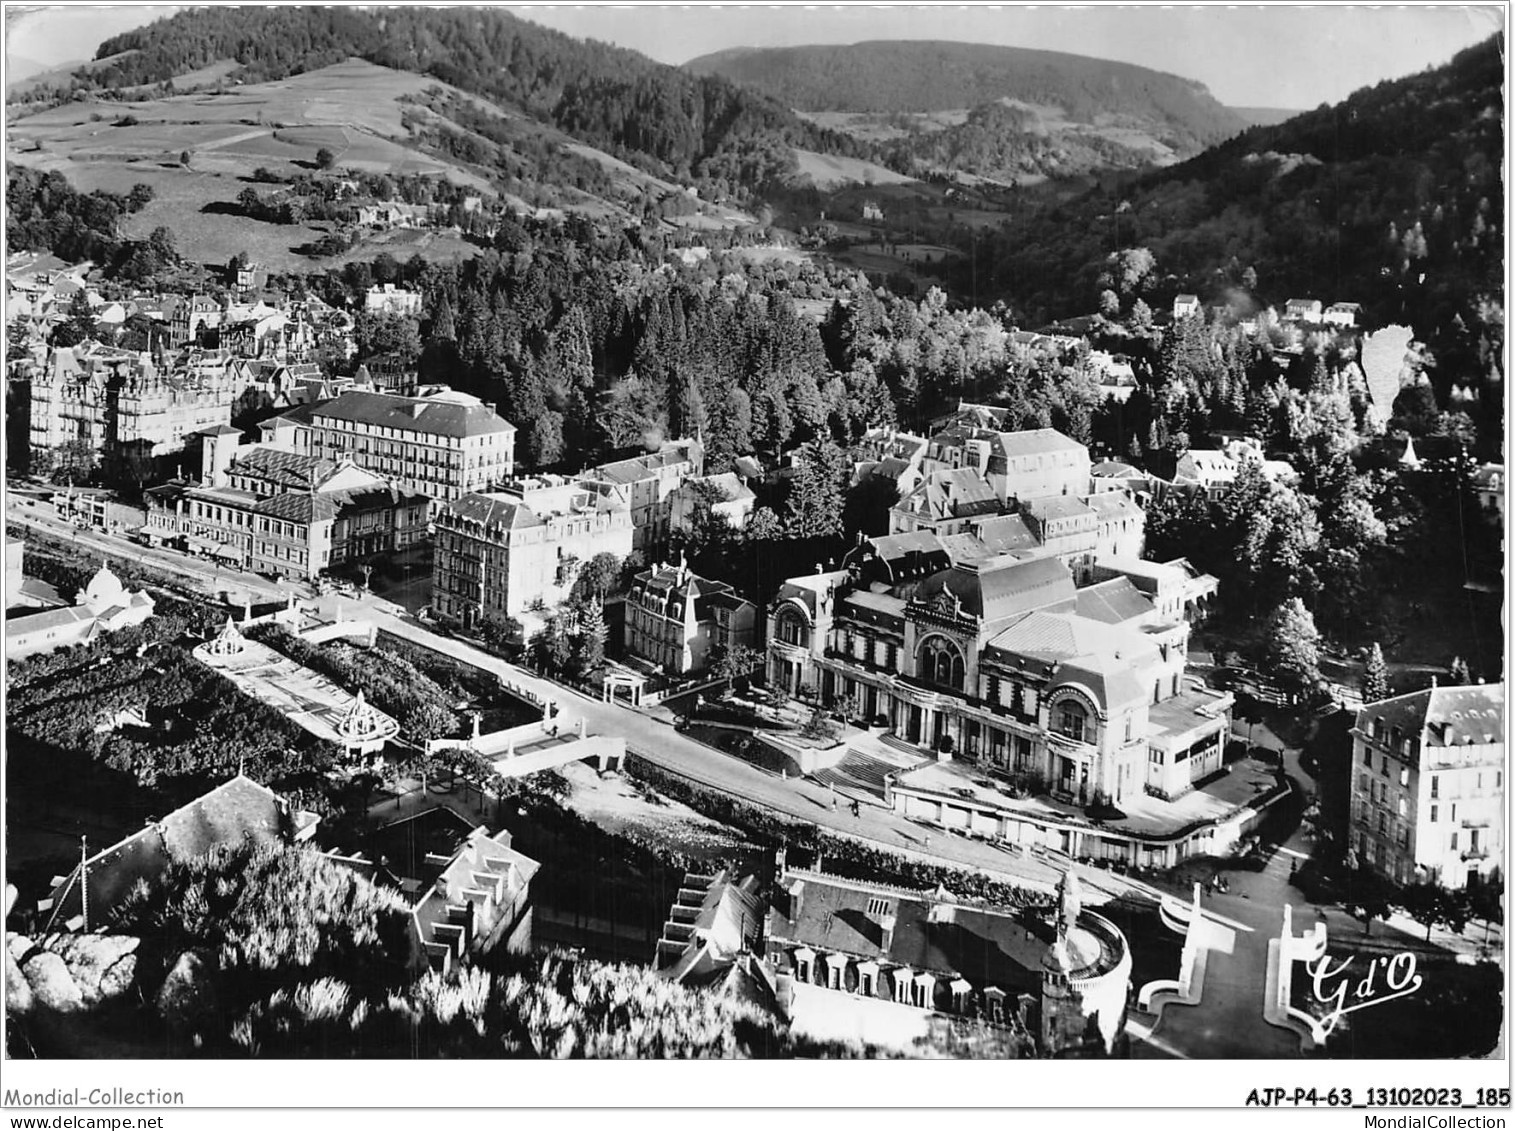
<point x="499" y="553"/>
<point x="677" y="619"/>
<point x="650" y="481"/>
<point x="1428" y="786"/>
<point x="282" y="513"/>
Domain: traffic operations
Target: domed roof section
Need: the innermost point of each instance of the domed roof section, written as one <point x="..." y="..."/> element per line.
<point x="104" y="590"/>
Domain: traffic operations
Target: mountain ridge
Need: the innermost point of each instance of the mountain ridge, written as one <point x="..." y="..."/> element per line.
<point x="1392" y="199"/>
<point x="672" y="122"/>
<point x="887" y="76"/>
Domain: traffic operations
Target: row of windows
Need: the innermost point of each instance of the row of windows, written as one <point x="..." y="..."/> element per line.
<point x="1399" y="831"/>
<point x="1398" y="741"/>
<point x="334" y="430"/>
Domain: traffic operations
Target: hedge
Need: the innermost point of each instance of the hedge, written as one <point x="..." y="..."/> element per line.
<point x="843" y="856"/>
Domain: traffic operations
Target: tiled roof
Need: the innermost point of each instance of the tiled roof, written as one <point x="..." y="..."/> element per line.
<point x="875" y="608"/>
<point x="1114" y="683"/>
<point x="1113" y="601"/>
<point x="729" y="484"/>
<point x="954" y="492"/>
<point x="895" y="558"/>
<point x="1109" y="660"/>
<point x="970" y="415"/>
<point x="1110" y="505"/>
<point x="997" y="591"/>
<point x="1162" y="572"/>
<point x="236" y="809"/>
<point x="641" y="467"/>
<point x="1058" y="506"/>
<point x="962" y="548"/>
<point x="1057" y="636"/>
<point x="892" y="546"/>
<point x="492" y="509"/>
<point x="1113" y="469"/>
<point x="1038" y="440"/>
<point x="1447" y="716"/>
<point x="301" y="507"/>
<point x="678" y="581"/>
<point x="988" y="947"/>
<point x="1006" y="533"/>
<point x="431" y="416"/>
<point x="284" y="469"/>
<point x="302" y="414"/>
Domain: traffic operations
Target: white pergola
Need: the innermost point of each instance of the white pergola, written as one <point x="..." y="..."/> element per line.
<point x="622" y="679"/>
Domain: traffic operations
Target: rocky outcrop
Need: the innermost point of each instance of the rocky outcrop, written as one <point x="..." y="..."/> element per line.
<point x="18" y="991"/>
<point x="103" y="966"/>
<point x="52" y="986"/>
<point x="188" y="993"/>
<point x="67" y="973"/>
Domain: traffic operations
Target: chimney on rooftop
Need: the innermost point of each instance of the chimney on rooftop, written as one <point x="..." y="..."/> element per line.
<point x="886" y="925"/>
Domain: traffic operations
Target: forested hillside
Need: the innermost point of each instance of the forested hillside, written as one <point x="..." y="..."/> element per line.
<point x="659" y="117"/>
<point x="1005" y="113"/>
<point x="918" y="77"/>
<point x="1392" y="199"/>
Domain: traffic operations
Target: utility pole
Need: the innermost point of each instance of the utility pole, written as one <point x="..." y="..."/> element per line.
<point x="84" y="878"/>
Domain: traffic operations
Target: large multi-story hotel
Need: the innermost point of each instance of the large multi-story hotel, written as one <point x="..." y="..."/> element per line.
<point x="281" y="513"/>
<point x="121" y="402"/>
<point x="442" y="446"/>
<point x="497" y="554"/>
<point x="1428" y="785"/>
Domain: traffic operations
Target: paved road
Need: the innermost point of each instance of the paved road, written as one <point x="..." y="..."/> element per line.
<point x="808" y="801"/>
<point x="651" y="738"/>
<point x="212" y="578"/>
<point x="1228" y="1021"/>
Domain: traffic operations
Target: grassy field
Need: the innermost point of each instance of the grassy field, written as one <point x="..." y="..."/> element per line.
<point x="828" y="172"/>
<point x="885" y="127"/>
<point x="354" y="109"/>
<point x="216" y="72"/>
